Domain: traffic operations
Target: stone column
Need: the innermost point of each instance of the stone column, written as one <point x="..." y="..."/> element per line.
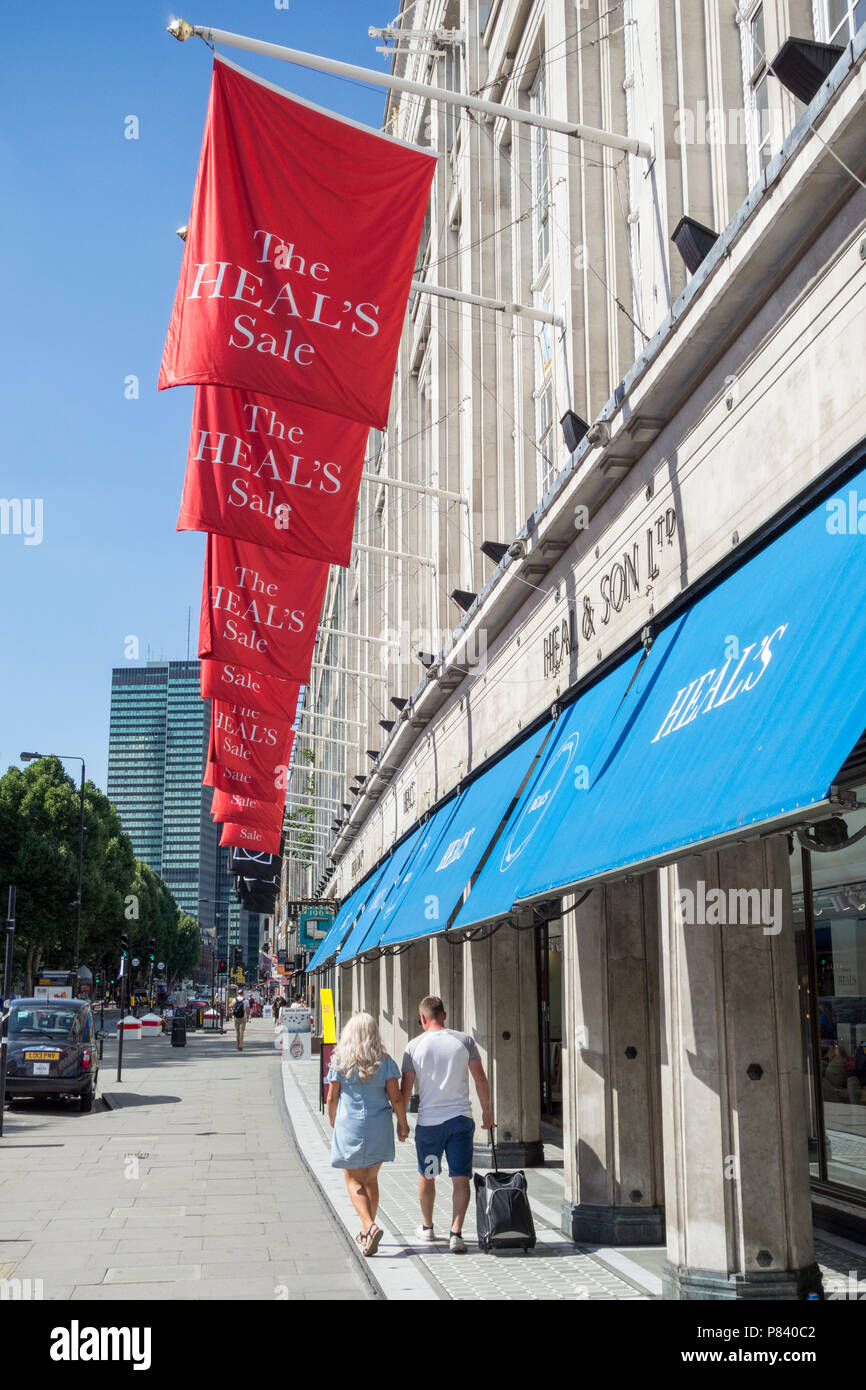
<point x="446" y="978"/>
<point x="500" y="1011"/>
<point x="411" y="983"/>
<point x="386" y="1005"/>
<point x="369" y="973"/>
<point x="614" y="1177"/>
<point x="344" y="985"/>
<point x="739" y="1221"/>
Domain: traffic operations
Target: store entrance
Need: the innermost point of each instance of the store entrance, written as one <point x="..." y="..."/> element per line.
<point x="549" y="971"/>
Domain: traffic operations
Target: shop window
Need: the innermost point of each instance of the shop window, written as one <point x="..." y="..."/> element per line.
<point x="830" y="920"/>
<point x="550" y="990"/>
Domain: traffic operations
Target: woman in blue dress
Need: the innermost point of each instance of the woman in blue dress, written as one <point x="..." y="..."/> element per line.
<point x="363" y="1096"/>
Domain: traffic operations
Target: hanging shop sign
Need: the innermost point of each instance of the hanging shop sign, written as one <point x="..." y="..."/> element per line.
<point x="223" y="680"/>
<point x="259" y="837"/>
<point x="247" y="810"/>
<point x="253" y="865"/>
<point x="260" y="607"/>
<point x="299" y="256"/>
<point x="274" y="473"/>
<point x="247" y="742"/>
<point x="314" y="923"/>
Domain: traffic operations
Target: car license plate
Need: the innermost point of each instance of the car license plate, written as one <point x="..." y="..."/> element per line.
<point x="41" y="1056"/>
<point x="41" y="1068"/>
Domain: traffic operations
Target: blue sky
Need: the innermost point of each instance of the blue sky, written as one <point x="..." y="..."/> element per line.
<point x="90" y="267"/>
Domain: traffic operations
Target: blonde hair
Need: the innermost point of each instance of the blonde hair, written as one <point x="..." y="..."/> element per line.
<point x="360" y="1048"/>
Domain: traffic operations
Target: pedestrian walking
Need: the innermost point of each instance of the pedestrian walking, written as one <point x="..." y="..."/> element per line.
<point x="240" y="1014"/>
<point x="279" y="1004"/>
<point x="442" y="1060"/>
<point x="364" y="1088"/>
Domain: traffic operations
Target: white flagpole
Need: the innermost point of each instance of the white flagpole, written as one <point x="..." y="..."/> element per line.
<point x="525" y="310"/>
<point x="369" y="477"/>
<point x="182" y="30"/>
<point x="392" y="555"/>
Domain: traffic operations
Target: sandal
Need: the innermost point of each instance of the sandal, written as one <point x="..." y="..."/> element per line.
<point x="372" y="1239"/>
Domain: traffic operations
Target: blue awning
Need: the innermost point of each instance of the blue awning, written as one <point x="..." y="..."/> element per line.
<point x="342" y="923"/>
<point x="456" y="839"/>
<point x="740" y="716"/>
<point x="388" y="878"/>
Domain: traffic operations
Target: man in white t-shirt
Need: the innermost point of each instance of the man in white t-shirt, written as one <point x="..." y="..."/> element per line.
<point x="441" y="1060"/>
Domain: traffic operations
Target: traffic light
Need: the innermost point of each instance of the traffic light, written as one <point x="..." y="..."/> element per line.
<point x="124" y="943"/>
<point x="237" y="956"/>
<point x="222" y="966"/>
<point x="151" y="950"/>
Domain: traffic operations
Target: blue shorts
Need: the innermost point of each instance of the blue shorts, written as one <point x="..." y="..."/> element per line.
<point x="453" y="1138"/>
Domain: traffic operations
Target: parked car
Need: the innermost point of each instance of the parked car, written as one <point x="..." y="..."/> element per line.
<point x="52" y="1050"/>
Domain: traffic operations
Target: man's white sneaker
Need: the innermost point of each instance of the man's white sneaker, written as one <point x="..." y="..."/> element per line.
<point x="425" y="1233"/>
<point x="456" y="1244"/>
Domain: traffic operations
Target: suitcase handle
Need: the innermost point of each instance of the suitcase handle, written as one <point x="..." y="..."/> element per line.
<point x="493" y="1147"/>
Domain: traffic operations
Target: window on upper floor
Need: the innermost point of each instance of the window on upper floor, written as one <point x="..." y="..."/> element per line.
<point x="544" y="434"/>
<point x="756" y="77"/>
<point x="540" y="177"/>
<point x="839" y="20"/>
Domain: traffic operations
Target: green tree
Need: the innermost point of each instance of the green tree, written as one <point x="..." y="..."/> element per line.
<point x="183" y="957"/>
<point x="150" y="913"/>
<point x="39" y="820"/>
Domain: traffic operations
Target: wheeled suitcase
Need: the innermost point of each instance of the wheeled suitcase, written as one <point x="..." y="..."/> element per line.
<point x="502" y="1211"/>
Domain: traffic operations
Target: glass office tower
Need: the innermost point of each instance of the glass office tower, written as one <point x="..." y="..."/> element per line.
<point x="157" y="749"/>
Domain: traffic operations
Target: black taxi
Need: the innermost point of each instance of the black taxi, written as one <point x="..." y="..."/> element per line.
<point x="52" y="1050"/>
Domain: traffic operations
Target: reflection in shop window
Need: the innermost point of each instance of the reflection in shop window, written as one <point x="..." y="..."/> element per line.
<point x="835" y="1019"/>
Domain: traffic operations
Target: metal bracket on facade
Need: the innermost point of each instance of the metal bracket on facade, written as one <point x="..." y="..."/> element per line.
<point x="843" y="796"/>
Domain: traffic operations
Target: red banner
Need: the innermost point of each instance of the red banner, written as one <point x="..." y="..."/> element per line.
<point x="246" y="740"/>
<point x="251" y="837"/>
<point x="260" y="607"/>
<point x="275" y="474"/>
<point x="247" y="810"/>
<point x="229" y="779"/>
<point x="302" y="241"/>
<point x="222" y="680"/>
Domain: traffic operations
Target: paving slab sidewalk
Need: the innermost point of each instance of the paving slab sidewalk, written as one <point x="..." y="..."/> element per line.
<point x="557" y="1269"/>
<point x="407" y="1268"/>
<point x="189" y="1187"/>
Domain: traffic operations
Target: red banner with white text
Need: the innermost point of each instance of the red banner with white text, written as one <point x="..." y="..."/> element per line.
<point x="260" y="607"/>
<point x="274" y="473"/>
<point x="241" y="781"/>
<point x="223" y="680"/>
<point x="247" y="810"/>
<point x="251" y="837"/>
<point x="246" y="740"/>
<point x="301" y="245"/>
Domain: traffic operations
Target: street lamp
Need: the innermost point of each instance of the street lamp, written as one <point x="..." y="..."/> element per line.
<point x="75" y="757"/>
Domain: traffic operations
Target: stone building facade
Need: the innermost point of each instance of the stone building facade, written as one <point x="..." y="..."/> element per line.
<point x="704" y="1079"/>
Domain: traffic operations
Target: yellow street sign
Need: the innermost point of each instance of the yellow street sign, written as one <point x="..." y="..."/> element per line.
<point x="329" y="1023"/>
